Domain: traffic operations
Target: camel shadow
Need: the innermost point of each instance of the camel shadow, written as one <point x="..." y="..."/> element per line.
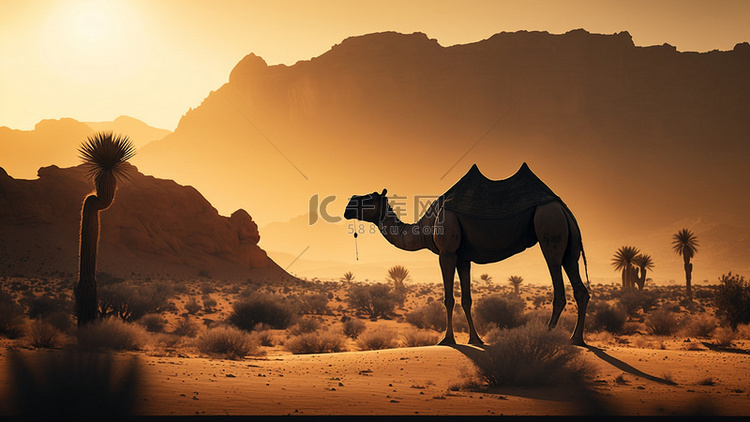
<point x="617" y="363"/>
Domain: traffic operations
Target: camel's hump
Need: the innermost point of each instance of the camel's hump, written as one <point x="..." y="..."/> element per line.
<point x="476" y="195"/>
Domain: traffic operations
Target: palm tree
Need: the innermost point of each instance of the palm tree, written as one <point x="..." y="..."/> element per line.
<point x="397" y="274"/>
<point x="515" y="281"/>
<point x="685" y="244"/>
<point x="623" y="261"/>
<point x="644" y="262"/>
<point x="486" y="278"/>
<point x="103" y="155"/>
<point x="348" y="277"/>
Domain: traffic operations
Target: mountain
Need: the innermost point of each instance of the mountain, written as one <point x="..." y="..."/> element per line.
<point x="22" y="152"/>
<point x="137" y="131"/>
<point x="635" y="139"/>
<point x="154" y="228"/>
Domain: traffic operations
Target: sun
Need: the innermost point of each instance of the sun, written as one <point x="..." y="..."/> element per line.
<point x="93" y="41"/>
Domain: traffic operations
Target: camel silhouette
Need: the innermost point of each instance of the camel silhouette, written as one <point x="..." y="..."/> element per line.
<point x="481" y="220"/>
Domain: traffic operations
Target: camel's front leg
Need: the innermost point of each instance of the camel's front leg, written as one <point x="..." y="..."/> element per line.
<point x="464" y="274"/>
<point x="448" y="268"/>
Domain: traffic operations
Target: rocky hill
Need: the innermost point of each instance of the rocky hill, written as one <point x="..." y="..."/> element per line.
<point x="635" y="139"/>
<point x="154" y="228"/>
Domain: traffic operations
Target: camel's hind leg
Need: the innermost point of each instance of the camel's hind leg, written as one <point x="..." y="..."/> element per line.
<point x="551" y="228"/>
<point x="580" y="292"/>
<point x="464" y="274"/>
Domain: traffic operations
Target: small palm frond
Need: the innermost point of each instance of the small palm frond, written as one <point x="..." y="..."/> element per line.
<point x="685" y="243"/>
<point x="348" y="277"/>
<point x="644" y="261"/>
<point x="105" y="152"/>
<point x="486" y="278"/>
<point x="398" y="273"/>
<point x="624" y="257"/>
<point x="515" y="280"/>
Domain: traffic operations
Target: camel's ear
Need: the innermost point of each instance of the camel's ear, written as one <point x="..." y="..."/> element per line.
<point x="384" y="192"/>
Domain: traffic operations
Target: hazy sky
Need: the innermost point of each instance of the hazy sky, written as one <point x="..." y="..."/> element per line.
<point x="153" y="60"/>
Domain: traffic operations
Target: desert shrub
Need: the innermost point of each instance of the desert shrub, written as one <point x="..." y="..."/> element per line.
<point x="130" y="302"/>
<point x="605" y="317"/>
<point x="192" y="307"/>
<point x="227" y="342"/>
<point x="701" y="326"/>
<point x="376" y="300"/>
<point x="11" y="317"/>
<point x="312" y="303"/>
<point x="725" y="336"/>
<point x="316" y="342"/>
<point x="207" y="288"/>
<point x="44" y="335"/>
<point x="265" y="338"/>
<point x="61" y="320"/>
<point x="257" y="309"/>
<point x="153" y="323"/>
<point x="704" y="293"/>
<point x="539" y="300"/>
<point x="111" y="333"/>
<point x="662" y="322"/>
<point x="733" y="300"/>
<point x="40" y="307"/>
<point x="305" y="325"/>
<point x="531" y="355"/>
<point x="499" y="311"/>
<point x="353" y="328"/>
<point x="209" y="304"/>
<point x="634" y="301"/>
<point x="430" y="316"/>
<point x="418" y="338"/>
<point x="379" y="338"/>
<point x="185" y="327"/>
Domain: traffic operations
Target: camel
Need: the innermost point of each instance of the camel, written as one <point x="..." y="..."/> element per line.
<point x="482" y="221"/>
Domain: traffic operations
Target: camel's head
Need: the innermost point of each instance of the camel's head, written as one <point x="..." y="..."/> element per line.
<point x="366" y="207"/>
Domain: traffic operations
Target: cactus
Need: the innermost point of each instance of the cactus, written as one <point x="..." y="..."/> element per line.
<point x="104" y="155"/>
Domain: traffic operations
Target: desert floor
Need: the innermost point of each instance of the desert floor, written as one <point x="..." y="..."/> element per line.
<point x="636" y="374"/>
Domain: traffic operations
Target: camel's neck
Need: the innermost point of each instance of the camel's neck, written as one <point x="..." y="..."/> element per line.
<point x="410" y="237"/>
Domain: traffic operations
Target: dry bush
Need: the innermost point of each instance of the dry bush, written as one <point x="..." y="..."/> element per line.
<point x="62" y="321"/>
<point x="266" y="338"/>
<point x="266" y="309"/>
<point x="228" y="343"/>
<point x="605" y="317"/>
<point x="353" y="328"/>
<point x="499" y="311"/>
<point x="186" y="327"/>
<point x="432" y="317"/>
<point x="700" y="326"/>
<point x="312" y="303"/>
<point x="111" y="333"/>
<point x="733" y="300"/>
<point x="42" y="306"/>
<point x="193" y="307"/>
<point x="44" y="335"/>
<point x="11" y="317"/>
<point x="131" y="302"/>
<point x="724" y="336"/>
<point x="316" y="342"/>
<point x="634" y="301"/>
<point x="305" y="325"/>
<point x="153" y="323"/>
<point x="379" y="338"/>
<point x="743" y="331"/>
<point x="662" y="322"/>
<point x="375" y="300"/>
<point x="209" y="304"/>
<point x="532" y="355"/>
<point x="418" y="338"/>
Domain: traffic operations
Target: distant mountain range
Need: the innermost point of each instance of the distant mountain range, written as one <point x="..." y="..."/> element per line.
<point x="23" y="152"/>
<point x="155" y="228"/>
<point x="636" y="140"/>
<point x="639" y="142"/>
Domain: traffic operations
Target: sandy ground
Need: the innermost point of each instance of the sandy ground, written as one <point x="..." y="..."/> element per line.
<point x="421" y="381"/>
